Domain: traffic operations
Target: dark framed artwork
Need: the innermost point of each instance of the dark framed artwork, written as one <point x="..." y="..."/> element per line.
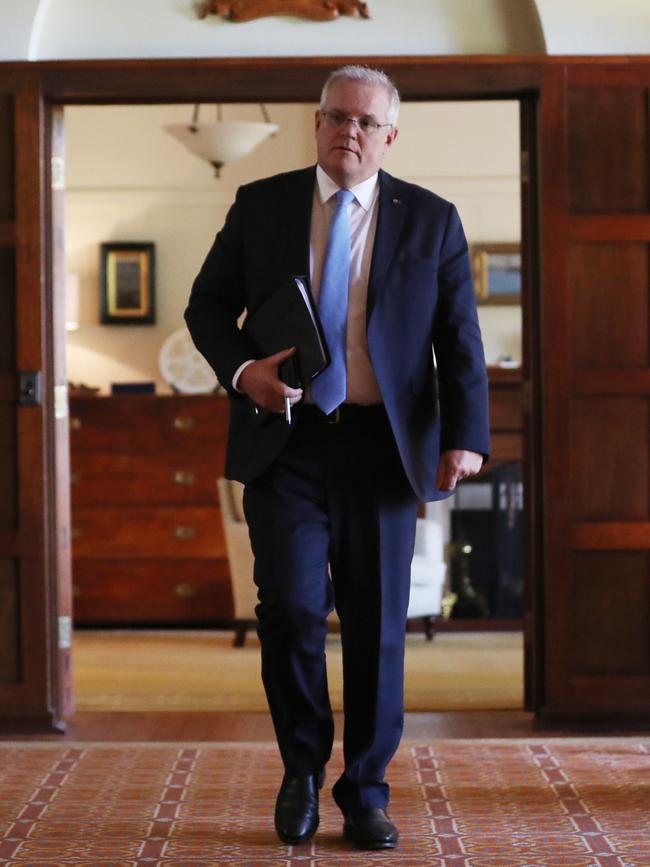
<point x="496" y="269"/>
<point x="127" y="281"/>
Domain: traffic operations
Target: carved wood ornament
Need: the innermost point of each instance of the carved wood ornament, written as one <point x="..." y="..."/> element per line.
<point x="315" y="10"/>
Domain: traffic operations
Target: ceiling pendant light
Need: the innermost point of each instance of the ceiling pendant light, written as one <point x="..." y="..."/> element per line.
<point x="222" y="141"/>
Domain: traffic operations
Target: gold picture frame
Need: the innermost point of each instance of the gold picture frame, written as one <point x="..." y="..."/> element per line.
<point x="127" y="280"/>
<point x="496" y="269"/>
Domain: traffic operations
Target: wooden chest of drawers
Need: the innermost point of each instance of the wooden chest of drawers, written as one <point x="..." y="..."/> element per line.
<point x="148" y="544"/>
<point x="506" y="415"/>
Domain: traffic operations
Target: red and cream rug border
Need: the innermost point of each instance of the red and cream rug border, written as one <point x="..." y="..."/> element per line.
<point x="534" y="802"/>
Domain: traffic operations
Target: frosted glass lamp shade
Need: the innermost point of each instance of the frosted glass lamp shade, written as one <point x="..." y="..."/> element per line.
<point x="222" y="141"/>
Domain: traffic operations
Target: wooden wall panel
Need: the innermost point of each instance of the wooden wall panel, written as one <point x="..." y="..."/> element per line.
<point x="8" y="479"/>
<point x="610" y="610"/>
<point x="610" y="458"/>
<point x="8" y="622"/>
<point x="7" y="170"/>
<point x="595" y="296"/>
<point x="8" y="468"/>
<point x="8" y="307"/>
<point x="610" y="304"/>
<point x="608" y="150"/>
<point x="9" y="651"/>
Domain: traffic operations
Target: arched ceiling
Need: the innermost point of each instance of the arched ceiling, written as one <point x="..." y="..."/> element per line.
<point x="16" y="28"/>
<point x="65" y="29"/>
<point x="595" y="26"/>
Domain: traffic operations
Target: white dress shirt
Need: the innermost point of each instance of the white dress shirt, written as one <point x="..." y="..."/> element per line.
<point x="362" y="385"/>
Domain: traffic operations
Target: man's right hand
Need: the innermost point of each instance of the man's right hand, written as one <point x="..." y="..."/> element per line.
<point x="260" y="381"/>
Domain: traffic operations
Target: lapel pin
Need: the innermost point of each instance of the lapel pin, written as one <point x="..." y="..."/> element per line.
<point x="397" y="201"/>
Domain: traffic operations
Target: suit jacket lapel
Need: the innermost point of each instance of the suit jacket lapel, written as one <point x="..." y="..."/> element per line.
<point x="298" y="194"/>
<point x="299" y="190"/>
<point x="392" y="211"/>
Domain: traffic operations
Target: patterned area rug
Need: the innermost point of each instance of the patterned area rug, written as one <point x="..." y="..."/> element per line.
<point x="490" y="803"/>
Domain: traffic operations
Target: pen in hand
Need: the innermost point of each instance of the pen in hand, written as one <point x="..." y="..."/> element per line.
<point x="288" y="373"/>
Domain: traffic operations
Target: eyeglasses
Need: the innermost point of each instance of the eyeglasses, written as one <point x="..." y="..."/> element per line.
<point x="339" y="120"/>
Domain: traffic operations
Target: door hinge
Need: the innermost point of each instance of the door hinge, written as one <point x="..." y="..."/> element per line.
<point x="29" y="388"/>
<point x="58" y="173"/>
<point x="65" y="632"/>
<point x="60" y="401"/>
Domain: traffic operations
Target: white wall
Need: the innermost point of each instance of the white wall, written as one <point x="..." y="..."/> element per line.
<point x="170" y="28"/>
<point x="130" y="181"/>
<point x="595" y="26"/>
<point x="63" y="29"/>
<point x="16" y="26"/>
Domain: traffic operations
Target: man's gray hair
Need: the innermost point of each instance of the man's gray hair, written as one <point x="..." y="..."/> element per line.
<point x="366" y="75"/>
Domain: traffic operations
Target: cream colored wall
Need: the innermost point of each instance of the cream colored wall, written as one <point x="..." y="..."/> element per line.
<point x="170" y="28"/>
<point x="16" y="27"/>
<point x="469" y="154"/>
<point x="595" y="26"/>
<point x="64" y="29"/>
<point x="129" y="181"/>
<point x="59" y="29"/>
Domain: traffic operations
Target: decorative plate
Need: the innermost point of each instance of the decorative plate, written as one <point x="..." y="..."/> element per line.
<point x="183" y="366"/>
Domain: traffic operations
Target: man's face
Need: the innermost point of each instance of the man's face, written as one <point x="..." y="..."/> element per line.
<point x="345" y="153"/>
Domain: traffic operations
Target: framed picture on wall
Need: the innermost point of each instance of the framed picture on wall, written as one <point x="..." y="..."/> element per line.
<point x="496" y="269"/>
<point x="127" y="283"/>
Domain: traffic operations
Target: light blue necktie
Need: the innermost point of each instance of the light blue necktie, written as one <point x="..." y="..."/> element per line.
<point x="328" y="388"/>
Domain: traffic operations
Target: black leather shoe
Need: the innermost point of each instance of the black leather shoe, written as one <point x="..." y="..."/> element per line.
<point x="296" y="807"/>
<point x="370" y="828"/>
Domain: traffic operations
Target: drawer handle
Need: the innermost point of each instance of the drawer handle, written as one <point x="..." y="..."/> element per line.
<point x="181" y="423"/>
<point x="75" y="423"/>
<point x="181" y="477"/>
<point x="184" y="591"/>
<point x="185" y="532"/>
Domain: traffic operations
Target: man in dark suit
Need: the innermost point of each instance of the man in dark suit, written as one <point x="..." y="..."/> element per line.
<point x="331" y="499"/>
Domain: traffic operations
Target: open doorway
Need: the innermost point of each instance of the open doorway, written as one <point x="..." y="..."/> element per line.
<point x="143" y="188"/>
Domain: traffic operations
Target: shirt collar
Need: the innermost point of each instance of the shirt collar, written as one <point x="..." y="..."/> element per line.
<point x="364" y="192"/>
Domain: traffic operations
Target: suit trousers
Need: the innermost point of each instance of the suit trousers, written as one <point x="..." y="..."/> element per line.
<point x="332" y="523"/>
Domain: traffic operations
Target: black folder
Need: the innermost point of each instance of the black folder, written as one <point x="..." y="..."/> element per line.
<point x="287" y="318"/>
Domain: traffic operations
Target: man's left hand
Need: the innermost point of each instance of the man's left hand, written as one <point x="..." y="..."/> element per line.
<point x="457" y="464"/>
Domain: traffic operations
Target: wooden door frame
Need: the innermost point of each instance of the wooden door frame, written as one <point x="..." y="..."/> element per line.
<point x="32" y="697"/>
<point x="300" y="80"/>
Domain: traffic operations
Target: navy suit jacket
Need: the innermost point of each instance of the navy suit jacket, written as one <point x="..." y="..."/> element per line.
<point x="420" y="298"/>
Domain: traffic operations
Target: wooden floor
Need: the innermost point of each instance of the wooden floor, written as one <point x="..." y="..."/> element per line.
<point x="162" y="727"/>
<point x="193" y="725"/>
<point x="194" y="670"/>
